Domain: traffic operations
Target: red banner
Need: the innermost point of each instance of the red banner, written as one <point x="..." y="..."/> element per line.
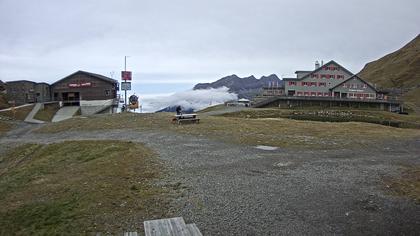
<point x="87" y="84"/>
<point x="126" y="75"/>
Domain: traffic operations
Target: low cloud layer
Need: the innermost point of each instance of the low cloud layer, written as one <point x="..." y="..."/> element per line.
<point x="195" y="99"/>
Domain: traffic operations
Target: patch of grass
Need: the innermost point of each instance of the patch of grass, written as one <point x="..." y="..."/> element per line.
<point x="263" y="131"/>
<point x="407" y="185"/>
<point x="334" y="115"/>
<point x="79" y="187"/>
<point x="412" y="100"/>
<point x="213" y="108"/>
<point x="48" y="112"/>
<point x="20" y="113"/>
<point x="5" y="127"/>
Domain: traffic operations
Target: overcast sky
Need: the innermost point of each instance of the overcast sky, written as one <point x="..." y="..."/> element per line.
<point x="180" y="43"/>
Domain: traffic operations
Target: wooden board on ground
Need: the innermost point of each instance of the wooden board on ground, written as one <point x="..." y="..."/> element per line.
<point x="130" y="234"/>
<point x="193" y="230"/>
<point x="170" y="227"/>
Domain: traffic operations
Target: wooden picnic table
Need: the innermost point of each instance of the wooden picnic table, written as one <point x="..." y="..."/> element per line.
<point x="186" y="118"/>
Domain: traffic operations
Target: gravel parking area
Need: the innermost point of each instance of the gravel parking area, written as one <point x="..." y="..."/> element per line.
<point x="233" y="189"/>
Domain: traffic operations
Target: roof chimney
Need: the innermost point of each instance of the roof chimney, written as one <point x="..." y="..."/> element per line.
<point x="322" y="62"/>
<point x="316" y="65"/>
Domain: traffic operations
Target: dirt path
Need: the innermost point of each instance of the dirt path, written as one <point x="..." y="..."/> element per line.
<point x="240" y="190"/>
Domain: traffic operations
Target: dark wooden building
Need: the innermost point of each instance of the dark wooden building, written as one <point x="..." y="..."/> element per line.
<point x="24" y="91"/>
<point x="2" y="86"/>
<point x="85" y="86"/>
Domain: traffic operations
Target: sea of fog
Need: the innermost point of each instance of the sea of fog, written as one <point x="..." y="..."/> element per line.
<point x="195" y="99"/>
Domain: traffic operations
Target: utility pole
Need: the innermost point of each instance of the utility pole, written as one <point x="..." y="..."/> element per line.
<point x="125" y="80"/>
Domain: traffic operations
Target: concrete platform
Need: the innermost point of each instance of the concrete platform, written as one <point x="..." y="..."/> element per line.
<point x="65" y="113"/>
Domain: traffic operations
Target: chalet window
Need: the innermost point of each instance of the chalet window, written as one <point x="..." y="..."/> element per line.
<point x="306" y="93"/>
<point x="323" y="84"/>
<point x="364" y="85"/>
<point x="319" y="94"/>
<point x="107" y="92"/>
<point x="313" y="94"/>
<point x="299" y="93"/>
<point x="326" y="94"/>
<point x="314" y="76"/>
<point x="332" y="76"/>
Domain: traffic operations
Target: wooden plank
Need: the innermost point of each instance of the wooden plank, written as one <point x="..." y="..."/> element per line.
<point x="186" y="115"/>
<point x="130" y="234"/>
<point x="188" y="120"/>
<point x="193" y="230"/>
<point x="166" y="227"/>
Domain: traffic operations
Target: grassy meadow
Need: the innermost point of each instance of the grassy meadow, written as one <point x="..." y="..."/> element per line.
<point x="261" y="130"/>
<point x="79" y="187"/>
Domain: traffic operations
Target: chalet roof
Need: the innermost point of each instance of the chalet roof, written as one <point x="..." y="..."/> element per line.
<point x="98" y="76"/>
<point x="290" y="78"/>
<point x="320" y="68"/>
<point x="352" y="77"/>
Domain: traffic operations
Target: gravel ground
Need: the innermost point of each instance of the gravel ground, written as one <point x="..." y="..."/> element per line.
<point x="241" y="190"/>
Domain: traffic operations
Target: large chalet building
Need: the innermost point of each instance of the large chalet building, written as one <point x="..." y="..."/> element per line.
<point x="329" y="80"/>
<point x="328" y="85"/>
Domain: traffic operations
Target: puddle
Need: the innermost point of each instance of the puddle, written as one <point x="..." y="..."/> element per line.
<point x="283" y="164"/>
<point x="266" y="148"/>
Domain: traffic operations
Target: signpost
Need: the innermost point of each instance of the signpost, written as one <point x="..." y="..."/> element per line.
<point x="126" y="86"/>
<point x="125" y="75"/>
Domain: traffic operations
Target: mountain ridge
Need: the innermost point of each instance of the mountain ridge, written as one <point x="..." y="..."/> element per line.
<point x="245" y="87"/>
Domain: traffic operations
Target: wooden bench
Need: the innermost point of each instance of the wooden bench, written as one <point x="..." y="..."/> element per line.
<point x="193" y="118"/>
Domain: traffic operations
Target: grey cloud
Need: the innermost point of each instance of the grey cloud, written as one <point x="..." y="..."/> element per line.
<point x="215" y="37"/>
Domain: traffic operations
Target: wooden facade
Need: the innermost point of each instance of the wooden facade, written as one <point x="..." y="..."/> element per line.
<point x="85" y="86"/>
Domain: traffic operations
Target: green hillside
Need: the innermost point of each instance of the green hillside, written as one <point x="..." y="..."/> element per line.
<point x="400" y="69"/>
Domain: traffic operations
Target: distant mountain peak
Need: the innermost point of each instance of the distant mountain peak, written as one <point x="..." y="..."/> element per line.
<point x="245" y="87"/>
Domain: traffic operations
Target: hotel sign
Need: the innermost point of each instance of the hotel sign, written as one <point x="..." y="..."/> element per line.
<point x="126" y="75"/>
<point x="78" y="85"/>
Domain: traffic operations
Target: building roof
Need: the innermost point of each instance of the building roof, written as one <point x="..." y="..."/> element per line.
<point x="320" y="68"/>
<point x="98" y="76"/>
<point x="355" y="76"/>
<point x="20" y="81"/>
<point x="304" y="71"/>
<point x="243" y="100"/>
<point x="290" y="78"/>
